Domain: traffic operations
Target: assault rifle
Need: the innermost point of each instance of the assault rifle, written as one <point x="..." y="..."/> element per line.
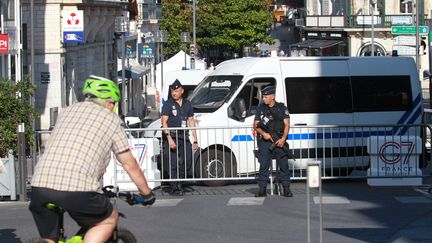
<point x="285" y="147"/>
<point x="275" y="136"/>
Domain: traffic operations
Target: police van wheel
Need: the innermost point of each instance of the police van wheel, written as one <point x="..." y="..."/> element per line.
<point x="216" y="164"/>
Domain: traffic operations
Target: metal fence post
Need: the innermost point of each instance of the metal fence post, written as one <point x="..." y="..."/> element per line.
<point x="22" y="163"/>
<point x="12" y="187"/>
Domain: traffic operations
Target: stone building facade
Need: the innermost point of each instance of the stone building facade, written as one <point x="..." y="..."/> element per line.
<point x="346" y="28"/>
<point x="60" y="68"/>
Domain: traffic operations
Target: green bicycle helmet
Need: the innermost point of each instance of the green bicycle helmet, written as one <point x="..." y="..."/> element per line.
<point x="101" y="88"/>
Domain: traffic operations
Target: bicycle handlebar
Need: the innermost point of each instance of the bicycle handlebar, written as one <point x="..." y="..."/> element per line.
<point x="129" y="197"/>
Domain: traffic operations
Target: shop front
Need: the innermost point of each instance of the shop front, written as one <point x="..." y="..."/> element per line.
<point x="321" y="43"/>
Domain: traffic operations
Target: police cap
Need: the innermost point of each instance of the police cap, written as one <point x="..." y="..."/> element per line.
<point x="175" y="85"/>
<point x="269" y="90"/>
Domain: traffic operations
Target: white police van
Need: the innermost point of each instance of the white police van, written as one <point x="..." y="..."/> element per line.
<point x="336" y="92"/>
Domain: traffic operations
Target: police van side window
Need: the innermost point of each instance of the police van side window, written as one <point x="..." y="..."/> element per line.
<point x="251" y="93"/>
<point x="381" y="93"/>
<point x="318" y="95"/>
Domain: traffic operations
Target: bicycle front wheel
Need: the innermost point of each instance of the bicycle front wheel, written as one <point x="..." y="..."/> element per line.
<point x="125" y="236"/>
<point x="36" y="240"/>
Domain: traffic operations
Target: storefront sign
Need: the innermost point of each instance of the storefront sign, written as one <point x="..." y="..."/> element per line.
<point x="4" y="44"/>
<point x="73" y="26"/>
<point x="367" y="20"/>
<point x="401" y="20"/>
<point x="45" y="77"/>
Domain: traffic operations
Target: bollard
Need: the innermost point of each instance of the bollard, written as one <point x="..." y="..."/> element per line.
<point x="314" y="181"/>
<point x="22" y="163"/>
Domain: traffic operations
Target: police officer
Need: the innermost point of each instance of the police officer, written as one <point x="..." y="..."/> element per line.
<point x="272" y="117"/>
<point x="178" y="112"/>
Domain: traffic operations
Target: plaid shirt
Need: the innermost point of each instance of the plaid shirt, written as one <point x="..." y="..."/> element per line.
<point x="79" y="148"/>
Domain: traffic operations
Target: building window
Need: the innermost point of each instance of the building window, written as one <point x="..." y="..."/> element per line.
<point x="405" y="7"/>
<point x="366" y="50"/>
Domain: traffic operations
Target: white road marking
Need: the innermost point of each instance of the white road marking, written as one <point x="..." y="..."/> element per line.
<point x="246" y="201"/>
<point x="332" y="200"/>
<point x="413" y="199"/>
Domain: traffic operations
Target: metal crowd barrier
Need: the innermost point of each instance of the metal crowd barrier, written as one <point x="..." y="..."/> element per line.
<point x="226" y="153"/>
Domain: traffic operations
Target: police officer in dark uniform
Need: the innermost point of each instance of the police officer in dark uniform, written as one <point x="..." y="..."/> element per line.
<point x="272" y="118"/>
<point x="178" y="112"/>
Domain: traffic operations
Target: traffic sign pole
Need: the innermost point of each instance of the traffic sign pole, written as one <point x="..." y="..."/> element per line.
<point x="430" y="63"/>
<point x="417" y="36"/>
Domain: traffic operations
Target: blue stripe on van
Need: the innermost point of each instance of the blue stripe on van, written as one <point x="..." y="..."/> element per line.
<point x="408" y="113"/>
<point x="242" y="138"/>
<point x="411" y="121"/>
<point x="327" y="135"/>
<point x="306" y="136"/>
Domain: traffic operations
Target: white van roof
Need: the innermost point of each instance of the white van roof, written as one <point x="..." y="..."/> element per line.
<point x="266" y="65"/>
<point x="186" y="77"/>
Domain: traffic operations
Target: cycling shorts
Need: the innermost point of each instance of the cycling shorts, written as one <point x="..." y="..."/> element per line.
<point x="86" y="208"/>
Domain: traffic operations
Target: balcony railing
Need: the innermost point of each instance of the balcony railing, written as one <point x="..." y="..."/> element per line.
<point x="150" y="11"/>
<point x="360" y="21"/>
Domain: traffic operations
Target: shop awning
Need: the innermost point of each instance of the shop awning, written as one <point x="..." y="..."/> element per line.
<point x="316" y="44"/>
<point x="134" y="71"/>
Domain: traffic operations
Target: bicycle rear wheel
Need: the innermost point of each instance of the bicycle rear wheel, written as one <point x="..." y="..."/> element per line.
<point x="125" y="236"/>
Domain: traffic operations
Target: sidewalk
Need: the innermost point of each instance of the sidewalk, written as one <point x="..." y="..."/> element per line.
<point x="419" y="230"/>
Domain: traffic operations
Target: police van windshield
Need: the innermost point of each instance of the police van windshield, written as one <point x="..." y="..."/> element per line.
<point x="213" y="91"/>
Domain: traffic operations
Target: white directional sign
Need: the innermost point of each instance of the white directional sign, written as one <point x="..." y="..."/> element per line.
<point x="405" y="40"/>
<point x="405" y="50"/>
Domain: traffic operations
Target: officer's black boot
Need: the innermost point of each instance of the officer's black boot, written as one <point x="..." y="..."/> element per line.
<point x="173" y="187"/>
<point x="287" y="192"/>
<point x="262" y="192"/>
<point x="180" y="189"/>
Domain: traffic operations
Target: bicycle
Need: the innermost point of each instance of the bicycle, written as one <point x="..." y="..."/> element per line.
<point x="119" y="234"/>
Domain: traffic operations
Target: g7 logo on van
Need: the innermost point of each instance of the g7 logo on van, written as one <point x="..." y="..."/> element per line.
<point x="393" y="152"/>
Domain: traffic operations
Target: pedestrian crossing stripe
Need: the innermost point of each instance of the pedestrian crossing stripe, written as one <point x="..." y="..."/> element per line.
<point x="246" y="201"/>
<point x="167" y="202"/>
<point x="331" y="200"/>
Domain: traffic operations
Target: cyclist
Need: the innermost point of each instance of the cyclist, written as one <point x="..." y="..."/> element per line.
<point x="77" y="153"/>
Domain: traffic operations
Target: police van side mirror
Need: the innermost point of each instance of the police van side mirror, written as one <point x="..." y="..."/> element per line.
<point x="237" y="110"/>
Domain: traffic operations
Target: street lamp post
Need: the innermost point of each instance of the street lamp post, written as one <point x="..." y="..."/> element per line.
<point x="374" y="2"/>
<point x="161" y="36"/>
<point x="185" y="38"/>
<point x="122" y="26"/>
<point x="415" y="3"/>
<point x="194" y="21"/>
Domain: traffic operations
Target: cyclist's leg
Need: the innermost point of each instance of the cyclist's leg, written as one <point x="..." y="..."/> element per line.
<point x="94" y="211"/>
<point x="102" y="231"/>
<point x="46" y="220"/>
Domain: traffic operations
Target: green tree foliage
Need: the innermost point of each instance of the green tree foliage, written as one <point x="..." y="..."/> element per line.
<point x="226" y="25"/>
<point x="230" y="25"/>
<point x="14" y="109"/>
<point x="177" y="17"/>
